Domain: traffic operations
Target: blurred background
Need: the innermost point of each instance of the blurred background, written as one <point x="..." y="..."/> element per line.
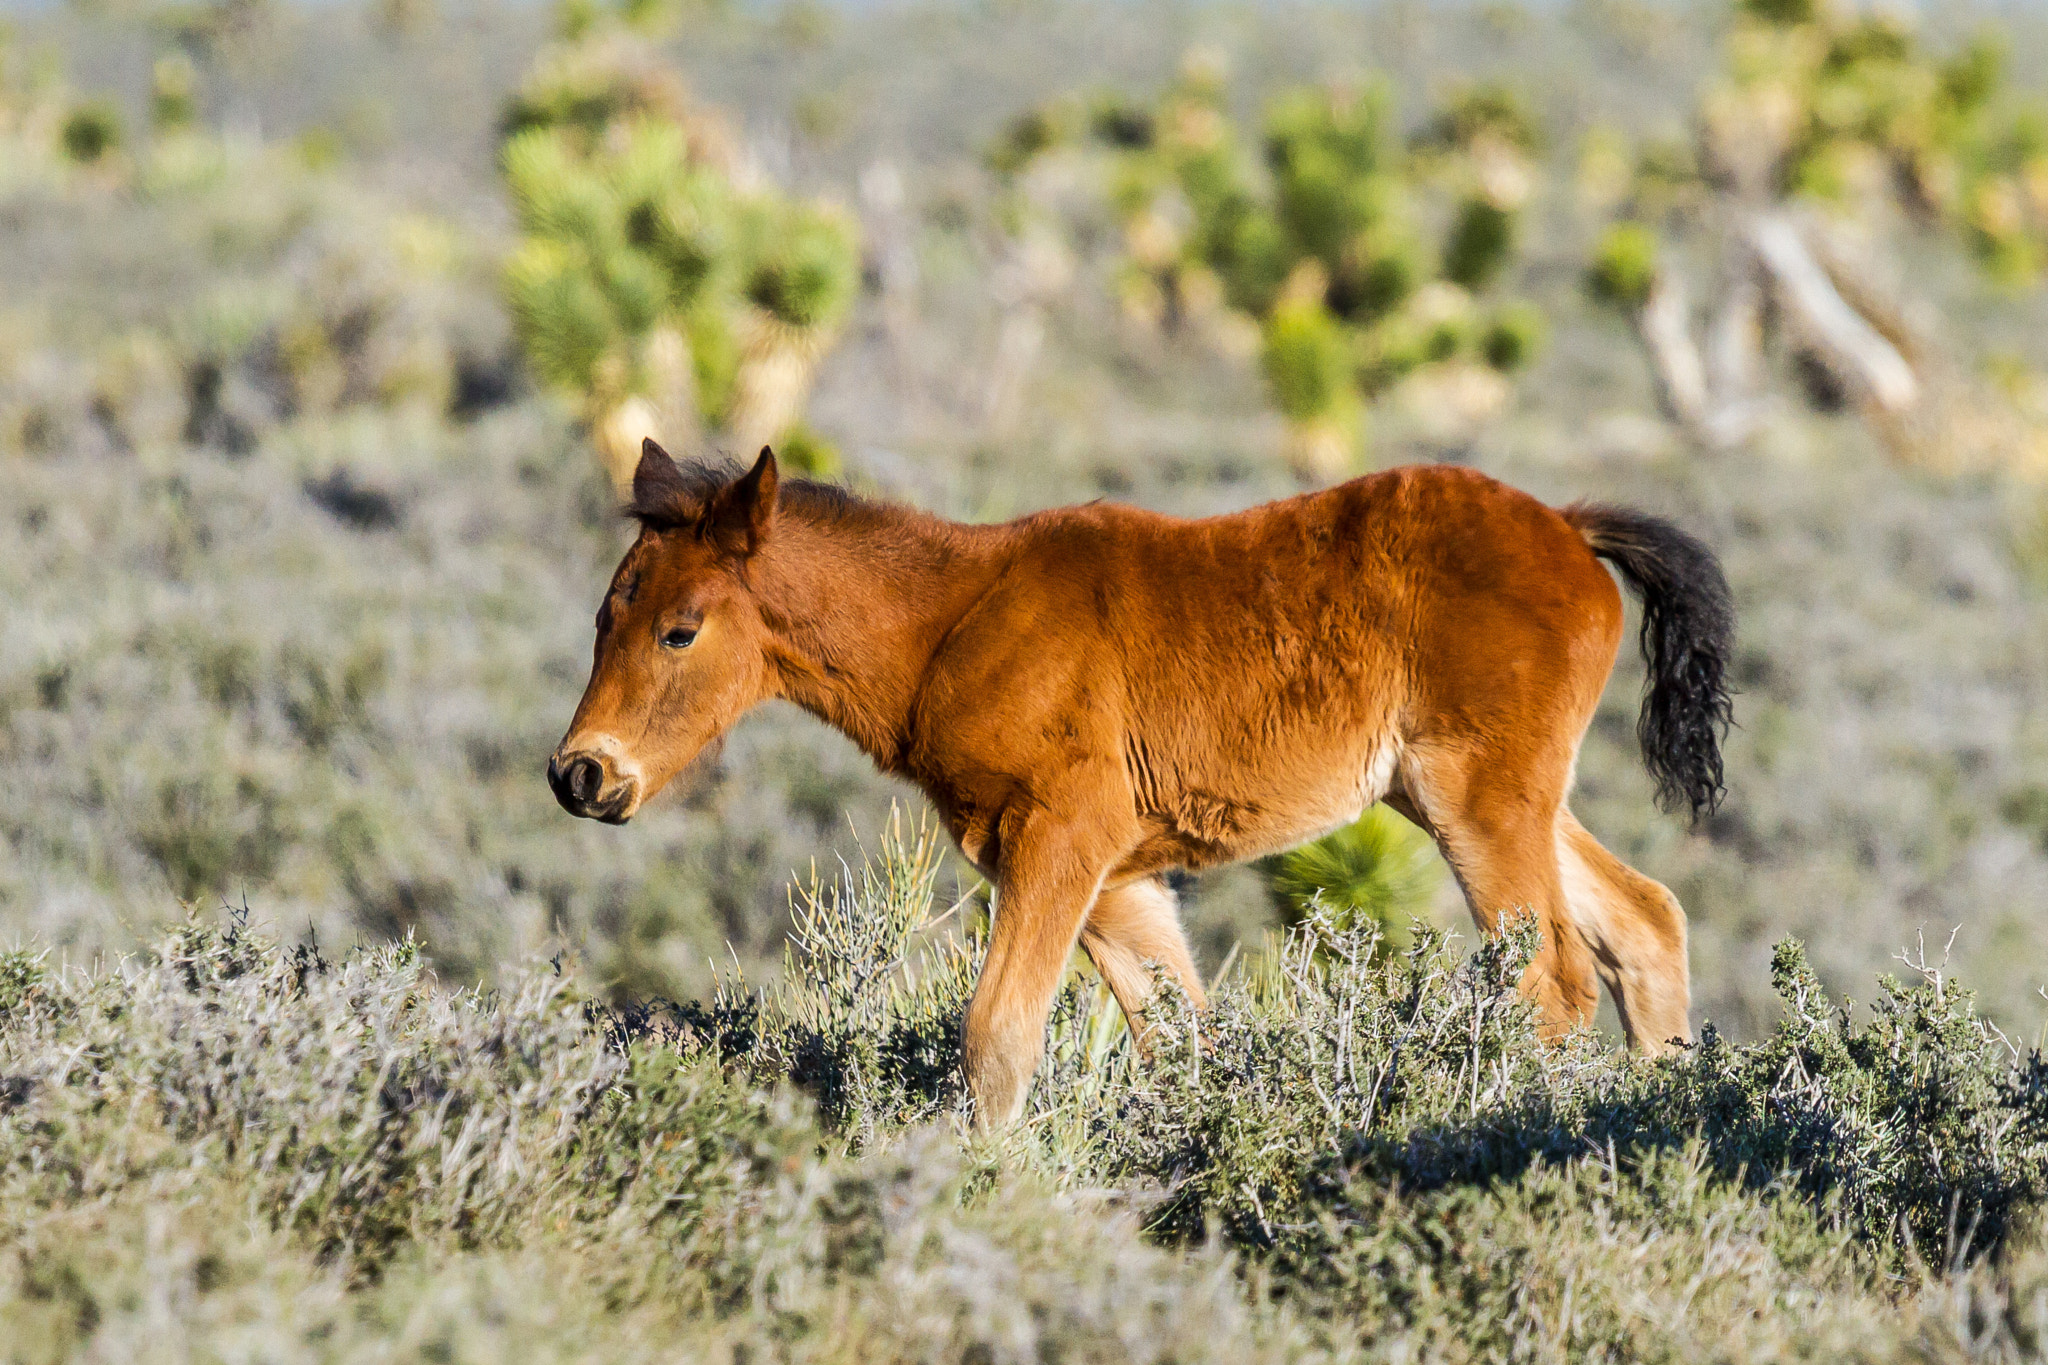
<point x="326" y="330"/>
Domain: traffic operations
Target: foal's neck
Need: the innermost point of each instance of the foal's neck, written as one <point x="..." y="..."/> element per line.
<point x="859" y="605"/>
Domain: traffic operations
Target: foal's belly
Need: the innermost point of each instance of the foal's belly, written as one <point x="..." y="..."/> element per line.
<point x="1262" y="807"/>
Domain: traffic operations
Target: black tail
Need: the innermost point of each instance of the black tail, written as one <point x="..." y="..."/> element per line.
<point x="1688" y="635"/>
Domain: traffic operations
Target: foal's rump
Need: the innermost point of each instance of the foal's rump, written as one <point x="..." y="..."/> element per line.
<point x="1516" y="625"/>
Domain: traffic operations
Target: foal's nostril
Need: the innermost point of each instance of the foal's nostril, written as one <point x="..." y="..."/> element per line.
<point x="576" y="783"/>
<point x="585" y="779"/>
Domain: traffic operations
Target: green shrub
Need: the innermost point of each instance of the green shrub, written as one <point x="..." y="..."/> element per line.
<point x="1624" y="265"/>
<point x="173" y="93"/>
<point x="1827" y="102"/>
<point x="1513" y="338"/>
<point x="91" y="132"/>
<point x="1378" y="868"/>
<point x="645" y="270"/>
<point x="1324" y="244"/>
<point x="1307" y="361"/>
<point x="807" y="278"/>
<point x="1481" y="243"/>
<point x="803" y="451"/>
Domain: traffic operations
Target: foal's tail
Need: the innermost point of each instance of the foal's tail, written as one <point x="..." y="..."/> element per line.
<point x="1688" y="636"/>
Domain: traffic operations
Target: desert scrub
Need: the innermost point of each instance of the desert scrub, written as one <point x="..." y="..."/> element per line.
<point x="866" y="1014"/>
<point x="364" y="1107"/>
<point x="1333" y="1066"/>
<point x="1363" y="1153"/>
<point x="230" y="1141"/>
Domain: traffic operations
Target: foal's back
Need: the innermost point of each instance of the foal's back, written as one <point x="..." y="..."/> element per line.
<point x="1269" y="667"/>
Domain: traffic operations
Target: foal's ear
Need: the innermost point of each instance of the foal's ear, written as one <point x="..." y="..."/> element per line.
<point x="742" y="514"/>
<point x="656" y="481"/>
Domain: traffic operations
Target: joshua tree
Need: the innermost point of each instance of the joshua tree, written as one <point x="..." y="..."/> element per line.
<point x="1320" y="242"/>
<point x="1823" y="123"/>
<point x="655" y="284"/>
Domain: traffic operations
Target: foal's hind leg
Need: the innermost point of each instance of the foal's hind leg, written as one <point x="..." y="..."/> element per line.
<point x="1130" y="928"/>
<point x="1493" y="813"/>
<point x="1636" y="931"/>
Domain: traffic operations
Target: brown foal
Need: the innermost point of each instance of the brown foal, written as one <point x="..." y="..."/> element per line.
<point x="1095" y="695"/>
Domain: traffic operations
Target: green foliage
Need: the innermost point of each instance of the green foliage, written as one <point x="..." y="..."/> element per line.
<point x="91" y="132"/>
<point x="806" y="277"/>
<point x="803" y="451"/>
<point x="1514" y="337"/>
<point x="596" y="81"/>
<point x="616" y="241"/>
<point x="563" y="314"/>
<point x="1323" y="244"/>
<point x="173" y="93"/>
<point x="1307" y="361"/>
<point x="1378" y="868"/>
<point x="1481" y="243"/>
<point x="1827" y="103"/>
<point x="1482" y="116"/>
<point x="1335" y="169"/>
<point x="1029" y="135"/>
<point x="1624" y="266"/>
<point x="639" y="254"/>
<point x="1782" y="13"/>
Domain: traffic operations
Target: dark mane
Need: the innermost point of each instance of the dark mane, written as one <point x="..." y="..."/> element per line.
<point x="678" y="503"/>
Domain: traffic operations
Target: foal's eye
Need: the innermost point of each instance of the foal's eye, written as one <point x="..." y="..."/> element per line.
<point x="678" y="637"/>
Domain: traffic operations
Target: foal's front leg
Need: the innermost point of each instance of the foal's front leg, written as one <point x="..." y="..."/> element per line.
<point x="1050" y="874"/>
<point x="1132" y="928"/>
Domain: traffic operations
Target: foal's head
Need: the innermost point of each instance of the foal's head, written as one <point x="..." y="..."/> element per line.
<point x="682" y="650"/>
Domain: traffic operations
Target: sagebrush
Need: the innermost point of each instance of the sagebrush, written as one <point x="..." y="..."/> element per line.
<point x="1358" y="1153"/>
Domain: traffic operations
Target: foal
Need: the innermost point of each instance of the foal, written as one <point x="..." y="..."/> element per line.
<point x="1095" y="695"/>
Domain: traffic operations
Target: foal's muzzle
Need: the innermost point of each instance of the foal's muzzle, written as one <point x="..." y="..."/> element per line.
<point x="585" y="787"/>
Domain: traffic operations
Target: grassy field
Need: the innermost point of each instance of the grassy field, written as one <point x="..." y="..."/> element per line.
<point x="296" y="572"/>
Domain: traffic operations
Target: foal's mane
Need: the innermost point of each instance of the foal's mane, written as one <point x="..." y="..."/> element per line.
<point x="680" y="503"/>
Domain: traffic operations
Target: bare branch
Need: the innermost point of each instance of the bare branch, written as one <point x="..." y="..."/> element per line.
<point x="1665" y="323"/>
<point x="1858" y="351"/>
